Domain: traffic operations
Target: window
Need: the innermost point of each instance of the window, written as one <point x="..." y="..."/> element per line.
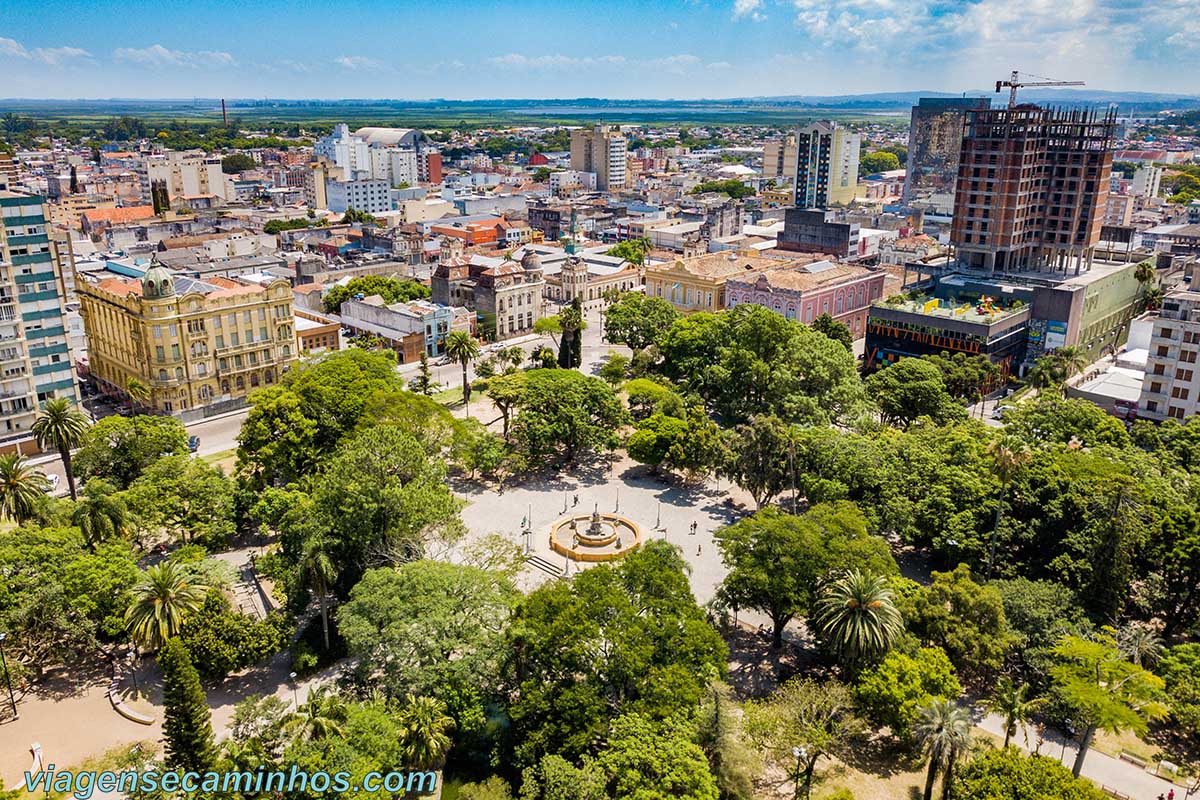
<point x="1176" y="412"/>
<point x="1183" y="375"/>
<point x="159" y="353"/>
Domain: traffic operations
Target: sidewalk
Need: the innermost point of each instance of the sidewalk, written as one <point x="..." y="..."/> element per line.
<point x="1103" y="770"/>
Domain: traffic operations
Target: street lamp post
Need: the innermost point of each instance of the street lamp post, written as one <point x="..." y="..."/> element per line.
<point x="8" y="678"/>
<point x="295" y="691"/>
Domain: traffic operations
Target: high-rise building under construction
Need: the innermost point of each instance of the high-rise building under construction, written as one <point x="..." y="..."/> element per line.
<point x="1031" y="189"/>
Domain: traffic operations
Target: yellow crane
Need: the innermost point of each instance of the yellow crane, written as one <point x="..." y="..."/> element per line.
<point x="1015" y="82"/>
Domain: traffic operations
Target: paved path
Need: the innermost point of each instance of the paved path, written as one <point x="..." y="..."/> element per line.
<point x="1102" y="769"/>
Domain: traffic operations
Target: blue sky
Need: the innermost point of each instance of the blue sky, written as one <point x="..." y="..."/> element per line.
<point x="616" y="48"/>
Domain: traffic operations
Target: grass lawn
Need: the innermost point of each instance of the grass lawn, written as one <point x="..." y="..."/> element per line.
<point x="226" y="460"/>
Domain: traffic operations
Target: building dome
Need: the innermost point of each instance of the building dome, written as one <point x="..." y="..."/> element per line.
<point x="531" y="261"/>
<point x="157" y="283"/>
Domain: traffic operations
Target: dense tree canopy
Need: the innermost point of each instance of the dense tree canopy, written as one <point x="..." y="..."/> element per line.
<point x="616" y="639"/>
<point x="391" y="289"/>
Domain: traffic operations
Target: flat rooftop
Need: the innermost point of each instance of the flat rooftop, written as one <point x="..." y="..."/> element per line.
<point x="930" y="306"/>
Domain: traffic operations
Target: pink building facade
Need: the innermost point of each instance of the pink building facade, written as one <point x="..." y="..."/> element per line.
<point x="843" y="291"/>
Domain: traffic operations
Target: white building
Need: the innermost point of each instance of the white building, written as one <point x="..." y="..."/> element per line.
<point x="1171" y="387"/>
<point x="186" y="174"/>
<point x="372" y="196"/>
<point x="399" y="156"/>
<point x="1146" y="181"/>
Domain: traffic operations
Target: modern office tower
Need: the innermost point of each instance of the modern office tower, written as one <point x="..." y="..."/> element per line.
<point x="602" y="150"/>
<point x="35" y="358"/>
<point x="1032" y="188"/>
<point x="934" y="140"/>
<point x="1171" y="387"/>
<point x="819" y="163"/>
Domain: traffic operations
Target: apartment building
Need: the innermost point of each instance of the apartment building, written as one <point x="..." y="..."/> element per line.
<point x="184" y="175"/>
<point x="602" y="150"/>
<point x="1032" y="188"/>
<point x="1171" y="387"/>
<point x="819" y="163"/>
<point x="35" y="355"/>
<point x="193" y="342"/>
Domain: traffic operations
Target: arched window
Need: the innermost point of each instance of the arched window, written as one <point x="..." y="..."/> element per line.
<point x="162" y="374"/>
<point x="179" y="373"/>
<point x="254" y="380"/>
<point x="241" y="383"/>
<point x="224" y="387"/>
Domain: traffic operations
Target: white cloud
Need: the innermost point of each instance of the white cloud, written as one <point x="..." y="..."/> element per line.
<point x="555" y="61"/>
<point x="748" y="8"/>
<point x="60" y="55"/>
<point x="358" y="62"/>
<point x="157" y="55"/>
<point x="47" y="55"/>
<point x="11" y="47"/>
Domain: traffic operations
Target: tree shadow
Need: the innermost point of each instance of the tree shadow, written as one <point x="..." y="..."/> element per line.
<point x="883" y="756"/>
<point x="64" y="681"/>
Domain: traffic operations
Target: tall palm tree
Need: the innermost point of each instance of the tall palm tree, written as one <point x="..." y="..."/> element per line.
<point x="424" y="732"/>
<point x="461" y="347"/>
<point x="138" y="392"/>
<point x="320" y="717"/>
<point x="1072" y="360"/>
<point x="857" y="618"/>
<point x="162" y="598"/>
<point x="943" y="731"/>
<point x="1144" y="272"/>
<point x="318" y="572"/>
<point x="61" y="426"/>
<point x="1011" y="701"/>
<point x="21" y="486"/>
<point x="1139" y="643"/>
<point x="1153" y="297"/>
<point x="101" y="514"/>
<point x="1044" y="373"/>
<point x="1007" y="461"/>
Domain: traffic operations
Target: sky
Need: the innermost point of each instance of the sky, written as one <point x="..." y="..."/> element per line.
<point x="463" y="49"/>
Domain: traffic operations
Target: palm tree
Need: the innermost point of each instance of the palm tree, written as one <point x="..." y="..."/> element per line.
<point x="1044" y="373"/>
<point x="62" y="427"/>
<point x="318" y="572"/>
<point x="424" y="732"/>
<point x="138" y="392"/>
<point x="1072" y="359"/>
<point x="1007" y="461"/>
<point x="1153" y="297"/>
<point x="1010" y="700"/>
<point x="1144" y="272"/>
<point x="21" y="487"/>
<point x="857" y="618"/>
<point x="162" y="598"/>
<point x="1139" y="643"/>
<point x="461" y="347"/>
<point x="320" y="717"/>
<point x="943" y="731"/>
<point x="101" y="514"/>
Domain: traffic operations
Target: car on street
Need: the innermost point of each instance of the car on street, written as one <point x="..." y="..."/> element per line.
<point x="193" y="444"/>
<point x="52" y="482"/>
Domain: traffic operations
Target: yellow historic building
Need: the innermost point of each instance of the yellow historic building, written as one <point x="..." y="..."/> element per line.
<point x="191" y="342"/>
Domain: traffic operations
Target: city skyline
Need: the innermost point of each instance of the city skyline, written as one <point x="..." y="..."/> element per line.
<point x="685" y="49"/>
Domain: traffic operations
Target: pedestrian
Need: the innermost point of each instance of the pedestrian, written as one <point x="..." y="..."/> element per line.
<point x="698" y="549"/>
<point x="1171" y="795"/>
<point x="576" y="500"/>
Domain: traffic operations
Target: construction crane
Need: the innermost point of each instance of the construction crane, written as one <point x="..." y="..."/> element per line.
<point x="1015" y="83"/>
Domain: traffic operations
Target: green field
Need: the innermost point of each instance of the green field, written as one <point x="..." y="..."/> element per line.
<point x="445" y="113"/>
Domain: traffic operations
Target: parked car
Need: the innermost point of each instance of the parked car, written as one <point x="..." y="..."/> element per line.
<point x="52" y="482"/>
<point x="193" y="443"/>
